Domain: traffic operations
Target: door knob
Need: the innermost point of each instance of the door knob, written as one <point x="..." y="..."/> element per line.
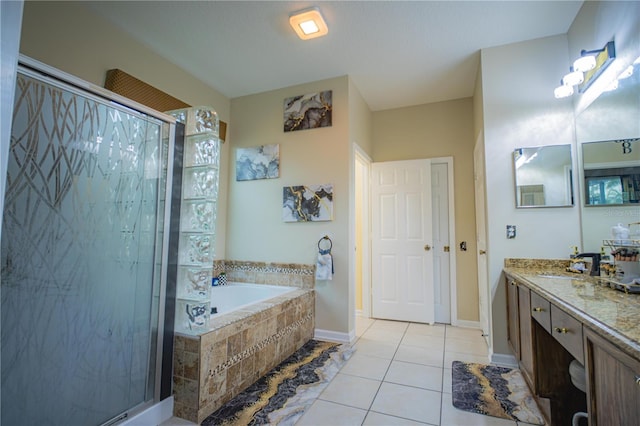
<point x="483" y="252"/>
<point x="427" y="247"/>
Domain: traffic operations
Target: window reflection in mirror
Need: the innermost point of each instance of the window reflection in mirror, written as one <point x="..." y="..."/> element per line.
<point x="611" y="172"/>
<point x="543" y="176"/>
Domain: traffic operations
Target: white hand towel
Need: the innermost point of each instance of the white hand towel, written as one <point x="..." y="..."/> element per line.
<point x="324" y="267"/>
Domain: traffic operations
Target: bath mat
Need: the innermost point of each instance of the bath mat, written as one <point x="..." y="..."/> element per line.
<point x="493" y="391"/>
<point x="285" y="392"/>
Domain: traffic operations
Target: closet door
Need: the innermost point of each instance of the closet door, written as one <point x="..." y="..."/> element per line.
<point x="402" y="259"/>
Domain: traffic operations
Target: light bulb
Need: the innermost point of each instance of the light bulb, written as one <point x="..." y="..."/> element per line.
<point x="585" y="63"/>
<point x="573" y="78"/>
<point x="563" y="91"/>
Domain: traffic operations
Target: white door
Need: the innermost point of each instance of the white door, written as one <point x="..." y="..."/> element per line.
<point x="402" y="259"/>
<point x="481" y="236"/>
<point x="441" y="249"/>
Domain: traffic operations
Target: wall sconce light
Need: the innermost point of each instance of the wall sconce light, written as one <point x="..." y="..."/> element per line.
<point x="308" y="23"/>
<point x="586" y="69"/>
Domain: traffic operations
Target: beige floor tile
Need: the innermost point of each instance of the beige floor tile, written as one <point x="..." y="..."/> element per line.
<point x="426" y="329"/>
<point x="424" y="341"/>
<point x="376" y="348"/>
<point x="446" y="380"/>
<point x="383" y="335"/>
<point x="399" y="326"/>
<point x="377" y="419"/>
<point x="472" y="346"/>
<point x="449" y="357"/>
<point x="328" y="413"/>
<point x="351" y="390"/>
<point x="451" y="416"/>
<point x="418" y="375"/>
<point x="177" y="421"/>
<point x="420" y="405"/>
<point x="369" y="367"/>
<point x="463" y="333"/>
<point x="419" y="355"/>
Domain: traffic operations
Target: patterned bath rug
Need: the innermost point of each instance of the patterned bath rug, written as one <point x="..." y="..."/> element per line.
<point x="284" y="393"/>
<point x="493" y="391"/>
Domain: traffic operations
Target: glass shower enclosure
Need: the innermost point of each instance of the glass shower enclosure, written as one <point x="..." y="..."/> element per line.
<point x="84" y="255"/>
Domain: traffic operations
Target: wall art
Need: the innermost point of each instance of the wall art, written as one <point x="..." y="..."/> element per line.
<point x="308" y="111"/>
<point x="262" y="162"/>
<point x="307" y="203"/>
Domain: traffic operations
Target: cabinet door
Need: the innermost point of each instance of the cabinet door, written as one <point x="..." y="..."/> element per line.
<point x="513" y="320"/>
<point x="526" y="346"/>
<point x="613" y="379"/>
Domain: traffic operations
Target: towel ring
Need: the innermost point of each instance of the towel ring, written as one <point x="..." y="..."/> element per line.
<point x="330" y="243"/>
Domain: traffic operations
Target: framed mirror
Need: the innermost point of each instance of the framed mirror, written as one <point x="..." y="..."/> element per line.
<point x="543" y="176"/>
<point x="611" y="171"/>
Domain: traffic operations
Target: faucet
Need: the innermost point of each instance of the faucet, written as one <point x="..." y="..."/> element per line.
<point x="595" y="262"/>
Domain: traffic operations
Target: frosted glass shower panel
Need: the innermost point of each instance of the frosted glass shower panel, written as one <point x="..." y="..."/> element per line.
<point x="79" y="266"/>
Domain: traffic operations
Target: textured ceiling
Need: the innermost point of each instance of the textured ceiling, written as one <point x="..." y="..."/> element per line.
<point x="397" y="53"/>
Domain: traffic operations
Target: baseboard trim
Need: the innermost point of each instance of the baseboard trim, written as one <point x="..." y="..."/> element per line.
<point x="334" y="336"/>
<point x="505" y="360"/>
<point x="154" y="415"/>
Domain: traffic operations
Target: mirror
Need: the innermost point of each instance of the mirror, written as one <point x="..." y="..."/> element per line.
<point x="611" y="171"/>
<point x="543" y="176"/>
<point x="613" y="117"/>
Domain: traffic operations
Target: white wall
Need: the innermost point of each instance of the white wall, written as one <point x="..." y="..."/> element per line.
<point x="520" y="111"/>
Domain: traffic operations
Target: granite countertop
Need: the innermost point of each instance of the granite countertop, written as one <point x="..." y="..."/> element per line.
<point x="611" y="313"/>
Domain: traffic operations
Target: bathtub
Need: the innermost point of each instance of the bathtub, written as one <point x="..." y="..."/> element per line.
<point x="234" y="295"/>
<point x="240" y="344"/>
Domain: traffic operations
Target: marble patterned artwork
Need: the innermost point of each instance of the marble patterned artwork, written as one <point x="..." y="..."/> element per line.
<point x="494" y="391"/>
<point x="311" y="203"/>
<point x="308" y="111"/>
<point x="283" y="394"/>
<point x="262" y="162"/>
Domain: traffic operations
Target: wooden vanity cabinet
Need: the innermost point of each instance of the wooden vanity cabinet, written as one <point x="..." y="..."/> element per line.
<point x="613" y="383"/>
<point x="513" y="317"/>
<point x="520" y="330"/>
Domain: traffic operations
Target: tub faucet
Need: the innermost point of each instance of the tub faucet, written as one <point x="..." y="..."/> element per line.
<point x="595" y="262"/>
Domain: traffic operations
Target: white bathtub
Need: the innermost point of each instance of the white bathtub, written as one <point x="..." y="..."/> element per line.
<point x="234" y="296"/>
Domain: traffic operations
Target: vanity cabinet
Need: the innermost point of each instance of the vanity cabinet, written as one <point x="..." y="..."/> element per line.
<point x="613" y="383"/>
<point x="513" y="317"/>
<point x="544" y="340"/>
<point x="520" y="329"/>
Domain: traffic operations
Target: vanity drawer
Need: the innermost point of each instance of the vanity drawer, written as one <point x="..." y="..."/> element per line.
<point x="568" y="331"/>
<point x="541" y="310"/>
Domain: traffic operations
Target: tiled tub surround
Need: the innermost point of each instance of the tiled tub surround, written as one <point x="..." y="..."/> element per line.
<point x="286" y="274"/>
<point x="241" y="346"/>
<point x="610" y="313"/>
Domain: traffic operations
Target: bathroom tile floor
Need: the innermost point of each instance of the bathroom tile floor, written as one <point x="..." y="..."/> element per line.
<point x="400" y="374"/>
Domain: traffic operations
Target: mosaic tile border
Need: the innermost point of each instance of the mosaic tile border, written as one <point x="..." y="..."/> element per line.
<point x="261" y="345"/>
<point x="263" y="267"/>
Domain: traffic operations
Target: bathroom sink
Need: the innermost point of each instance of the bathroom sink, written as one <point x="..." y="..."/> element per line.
<point x="559" y="277"/>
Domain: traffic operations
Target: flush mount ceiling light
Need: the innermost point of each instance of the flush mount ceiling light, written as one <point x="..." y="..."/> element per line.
<point x="308" y="23"/>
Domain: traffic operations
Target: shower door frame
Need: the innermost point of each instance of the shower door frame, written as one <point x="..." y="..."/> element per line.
<point x="46" y="73"/>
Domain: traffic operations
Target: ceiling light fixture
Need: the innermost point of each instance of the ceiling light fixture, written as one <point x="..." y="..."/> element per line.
<point x="308" y="23"/>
